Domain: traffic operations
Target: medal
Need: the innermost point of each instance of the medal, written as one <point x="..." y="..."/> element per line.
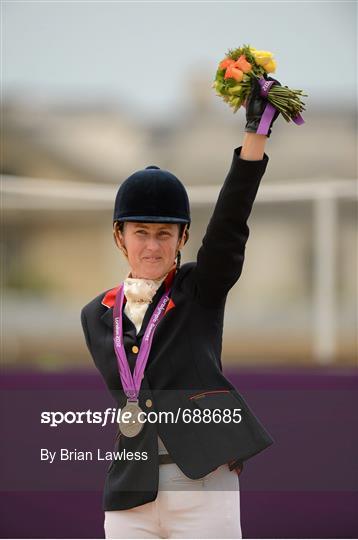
<point x="132" y="426"/>
<point x="131" y="383"/>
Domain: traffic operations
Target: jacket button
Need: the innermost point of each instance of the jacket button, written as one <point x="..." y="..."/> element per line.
<point x="135" y="349"/>
<point x="149" y="403"/>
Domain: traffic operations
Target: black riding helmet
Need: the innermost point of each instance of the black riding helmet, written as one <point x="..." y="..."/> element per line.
<point x="152" y="195"/>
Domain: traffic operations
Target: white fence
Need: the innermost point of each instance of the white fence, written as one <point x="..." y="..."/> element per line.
<point x="19" y="193"/>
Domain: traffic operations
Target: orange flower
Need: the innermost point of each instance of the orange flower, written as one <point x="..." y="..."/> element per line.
<point x="235" y="69"/>
<point x="243" y="64"/>
<point x="226" y="62"/>
<point x="233" y="73"/>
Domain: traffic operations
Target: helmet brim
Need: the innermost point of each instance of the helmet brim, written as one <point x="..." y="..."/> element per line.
<point x="152" y="219"/>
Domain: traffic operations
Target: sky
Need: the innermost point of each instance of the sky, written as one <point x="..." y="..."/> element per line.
<point x="142" y="53"/>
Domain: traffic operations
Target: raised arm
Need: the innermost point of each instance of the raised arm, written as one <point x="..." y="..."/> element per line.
<point x="221" y="256"/>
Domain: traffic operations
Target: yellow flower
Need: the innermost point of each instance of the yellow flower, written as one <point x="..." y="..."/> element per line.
<point x="270" y="67"/>
<point x="263" y="57"/>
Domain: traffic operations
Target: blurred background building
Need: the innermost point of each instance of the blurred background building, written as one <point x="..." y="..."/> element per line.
<point x="66" y="150"/>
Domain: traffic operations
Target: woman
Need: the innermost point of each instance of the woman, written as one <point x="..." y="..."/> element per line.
<point x="156" y="340"/>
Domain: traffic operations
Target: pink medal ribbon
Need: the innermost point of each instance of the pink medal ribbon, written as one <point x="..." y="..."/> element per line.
<point x="270" y="110"/>
<point x="131" y="384"/>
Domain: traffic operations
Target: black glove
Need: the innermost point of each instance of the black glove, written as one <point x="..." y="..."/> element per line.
<point x="255" y="106"/>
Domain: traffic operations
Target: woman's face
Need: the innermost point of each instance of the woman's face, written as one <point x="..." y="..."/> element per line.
<point x="151" y="247"/>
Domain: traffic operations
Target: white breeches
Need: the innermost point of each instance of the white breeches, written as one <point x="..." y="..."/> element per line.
<point x="184" y="508"/>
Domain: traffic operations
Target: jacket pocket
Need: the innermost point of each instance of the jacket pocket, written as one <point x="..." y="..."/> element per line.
<point x="206" y="393"/>
<point x="216" y="399"/>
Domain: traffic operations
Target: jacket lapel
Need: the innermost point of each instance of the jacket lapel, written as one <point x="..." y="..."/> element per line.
<point x="107" y="317"/>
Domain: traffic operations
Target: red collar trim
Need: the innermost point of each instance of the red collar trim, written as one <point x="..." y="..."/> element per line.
<point x="110" y="297"/>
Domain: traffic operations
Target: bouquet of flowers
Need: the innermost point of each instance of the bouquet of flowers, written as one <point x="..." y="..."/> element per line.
<point x="234" y="79"/>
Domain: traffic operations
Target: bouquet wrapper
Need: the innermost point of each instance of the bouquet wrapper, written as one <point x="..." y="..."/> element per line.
<point x="270" y="110"/>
